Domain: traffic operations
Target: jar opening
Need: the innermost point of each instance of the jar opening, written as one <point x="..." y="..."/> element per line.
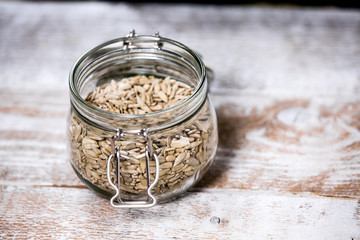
<point x="113" y="59"/>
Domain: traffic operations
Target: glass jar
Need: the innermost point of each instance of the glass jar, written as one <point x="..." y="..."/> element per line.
<point x="137" y="160"/>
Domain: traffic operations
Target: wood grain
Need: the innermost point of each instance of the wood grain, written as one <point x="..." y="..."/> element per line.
<point x="79" y="214"/>
<point x="293" y="145"/>
<point x="286" y="92"/>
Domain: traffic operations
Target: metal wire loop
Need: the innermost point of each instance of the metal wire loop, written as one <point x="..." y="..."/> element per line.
<point x="117" y="201"/>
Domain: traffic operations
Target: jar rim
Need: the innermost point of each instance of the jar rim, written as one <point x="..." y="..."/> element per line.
<point x="137" y="38"/>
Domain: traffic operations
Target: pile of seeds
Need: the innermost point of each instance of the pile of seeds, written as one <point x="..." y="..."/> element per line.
<point x="139" y="95"/>
<point x="182" y="151"/>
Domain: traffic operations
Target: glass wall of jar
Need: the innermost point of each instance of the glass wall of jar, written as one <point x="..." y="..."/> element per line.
<point x="172" y="147"/>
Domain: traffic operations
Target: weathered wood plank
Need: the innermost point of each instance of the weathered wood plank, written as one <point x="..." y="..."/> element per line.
<point x="286" y="93"/>
<point x="279" y="51"/>
<point x="79" y="214"/>
<point x="32" y="138"/>
<point x="285" y="145"/>
<point x="288" y="145"/>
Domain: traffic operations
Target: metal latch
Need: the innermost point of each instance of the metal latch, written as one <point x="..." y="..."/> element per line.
<point x="117" y="201"/>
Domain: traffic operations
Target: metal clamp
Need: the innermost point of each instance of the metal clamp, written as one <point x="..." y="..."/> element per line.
<point x="151" y="201"/>
<point x="126" y="42"/>
<point x="159" y="44"/>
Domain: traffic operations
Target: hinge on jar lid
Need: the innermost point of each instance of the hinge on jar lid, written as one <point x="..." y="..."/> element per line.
<point x="151" y="201"/>
<point x="126" y="43"/>
<point x="159" y="44"/>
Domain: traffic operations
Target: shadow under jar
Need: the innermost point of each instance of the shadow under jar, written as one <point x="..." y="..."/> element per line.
<point x="137" y="160"/>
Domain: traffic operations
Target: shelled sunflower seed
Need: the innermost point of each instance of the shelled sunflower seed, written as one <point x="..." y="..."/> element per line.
<point x="181" y="151"/>
<point x="139" y="95"/>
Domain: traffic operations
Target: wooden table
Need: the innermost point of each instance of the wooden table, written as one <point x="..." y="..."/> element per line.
<point x="287" y="95"/>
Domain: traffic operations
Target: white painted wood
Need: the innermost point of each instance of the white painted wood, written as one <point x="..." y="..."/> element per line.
<point x="78" y="213"/>
<point x="286" y="93"/>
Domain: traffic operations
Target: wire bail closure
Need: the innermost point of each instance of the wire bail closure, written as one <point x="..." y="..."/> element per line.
<point x="116" y="201"/>
<point x="132" y="34"/>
